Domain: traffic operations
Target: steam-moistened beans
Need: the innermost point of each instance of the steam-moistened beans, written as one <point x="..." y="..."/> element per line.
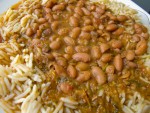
<point x="75" y="32"/>
<point x="81" y="66"/>
<point x="118" y="62"/>
<point x="71" y="71"/>
<point x="111" y="27"/>
<point x="66" y="87"/>
<point x="141" y="47"/>
<point x="99" y="75"/>
<point x="86" y="50"/>
<point x="95" y="52"/>
<point x="130" y="55"/>
<point x="83" y="57"/>
<point x="83" y="76"/>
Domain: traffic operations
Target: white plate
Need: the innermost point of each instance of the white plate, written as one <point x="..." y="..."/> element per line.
<point x="5" y="4"/>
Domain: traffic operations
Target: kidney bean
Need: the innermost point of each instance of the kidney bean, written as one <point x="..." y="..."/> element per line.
<point x="66" y="87"/>
<point x="41" y="20"/>
<point x="85" y="11"/>
<point x="145" y="35"/>
<point x="101" y="64"/>
<point x="49" y="17"/>
<point x="135" y="38"/>
<point x="100" y="10"/>
<point x="75" y="32"/>
<point x="63" y="31"/>
<point x="87" y="21"/>
<point x="83" y="57"/>
<point x="119" y="31"/>
<point x="95" y="52"/>
<point x="130" y="55"/>
<point x="81" y="49"/>
<point x="131" y="64"/>
<point x="99" y="75"/>
<point x="59" y="70"/>
<point x="88" y="28"/>
<point x="106" y="57"/>
<point x="79" y="11"/>
<point x="83" y="76"/>
<point x="69" y="50"/>
<point x="110" y="69"/>
<point x="81" y="66"/>
<point x="35" y="27"/>
<point x="104" y="47"/>
<point x="54" y="25"/>
<point x="80" y="3"/>
<point x="118" y="62"/>
<point x="71" y="71"/>
<point x="116" y="44"/>
<point x="61" y="61"/>
<point x="67" y="56"/>
<point x="73" y="21"/>
<point x="77" y="16"/>
<point x="55" y="45"/>
<point x="141" y="47"/>
<point x="125" y="73"/>
<point x="29" y="32"/>
<point x="138" y="28"/>
<point x="122" y="18"/>
<point x="50" y="4"/>
<point x="69" y="41"/>
<point x="111" y="16"/>
<point x="111" y="27"/>
<point x="85" y="35"/>
<point x="59" y="7"/>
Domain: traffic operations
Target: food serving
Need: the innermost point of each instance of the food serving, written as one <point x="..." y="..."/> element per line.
<point x="73" y="56"/>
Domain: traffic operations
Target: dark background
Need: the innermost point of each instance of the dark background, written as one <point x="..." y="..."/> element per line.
<point x="145" y="4"/>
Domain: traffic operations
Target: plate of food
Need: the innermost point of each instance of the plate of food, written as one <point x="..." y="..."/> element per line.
<point x="74" y="56"/>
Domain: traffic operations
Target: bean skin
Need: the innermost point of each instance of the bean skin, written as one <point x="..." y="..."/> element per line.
<point x="81" y="49"/>
<point x="118" y="62"/>
<point x="141" y="47"/>
<point x="73" y="21"/>
<point x="106" y="57"/>
<point x="75" y="32"/>
<point x="104" y="47"/>
<point x="110" y="69"/>
<point x="79" y="11"/>
<point x="69" y="41"/>
<point x="41" y="20"/>
<point x="119" y="31"/>
<point x="83" y="57"/>
<point x="83" y="76"/>
<point x="59" y="70"/>
<point x="88" y="28"/>
<point x="61" y="61"/>
<point x="111" y="77"/>
<point x="69" y="50"/>
<point x="55" y="45"/>
<point x="122" y="18"/>
<point x="29" y="32"/>
<point x="99" y="75"/>
<point x="86" y="12"/>
<point x="55" y="25"/>
<point x="85" y="35"/>
<point x="116" y="44"/>
<point x="130" y="55"/>
<point x="66" y="87"/>
<point x="111" y="27"/>
<point x="50" y="4"/>
<point x="59" y="7"/>
<point x="71" y="71"/>
<point x="95" y="52"/>
<point x="81" y="66"/>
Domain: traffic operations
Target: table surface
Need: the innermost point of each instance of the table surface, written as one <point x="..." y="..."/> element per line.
<point x="5" y="4"/>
